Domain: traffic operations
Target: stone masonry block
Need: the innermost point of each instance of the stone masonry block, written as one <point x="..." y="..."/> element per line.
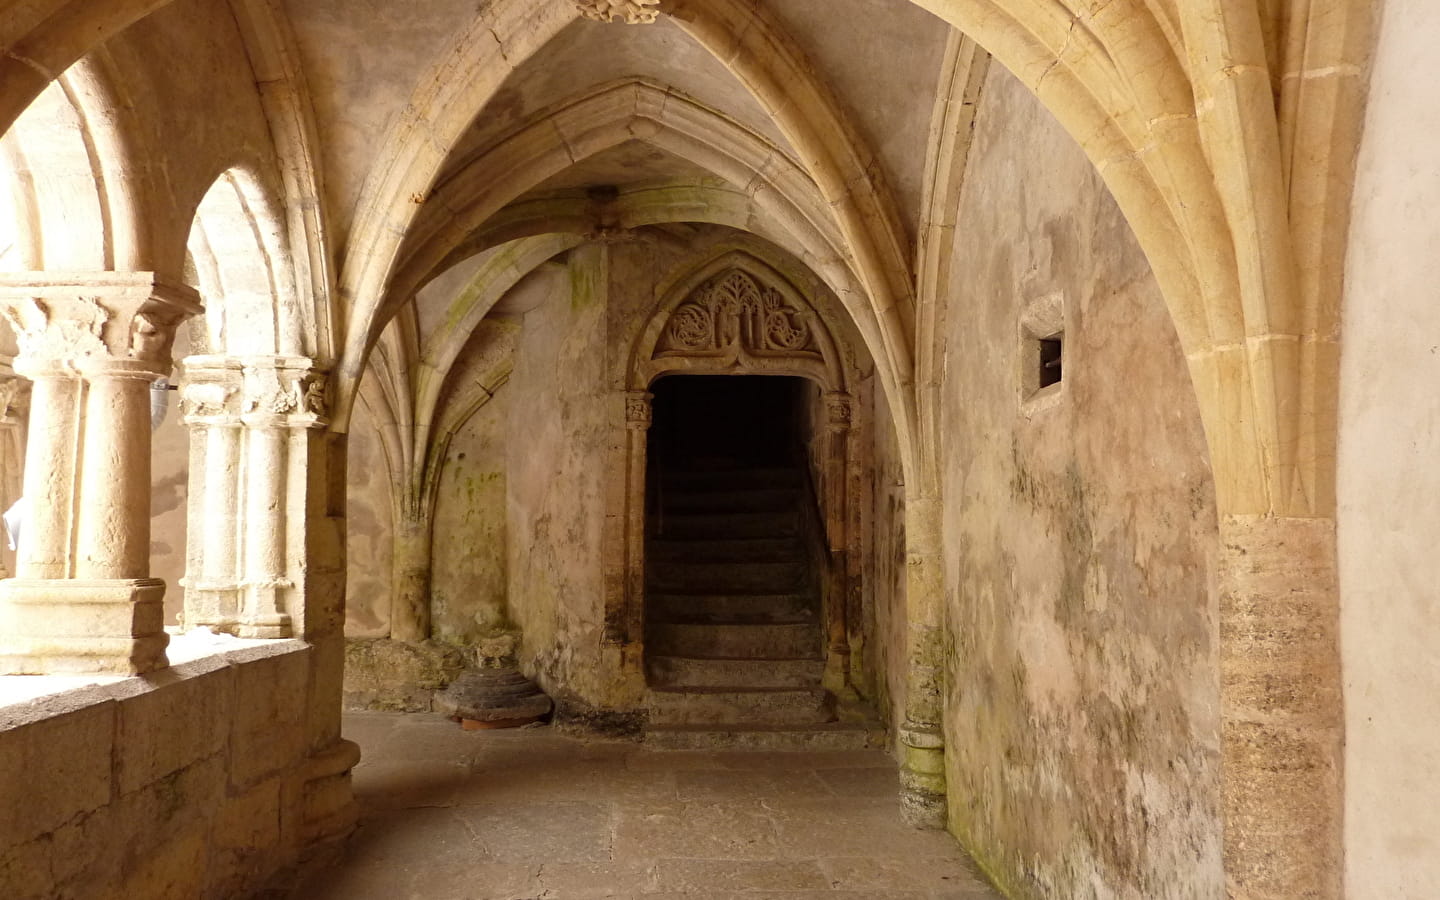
<point x="268" y="731"/>
<point x="184" y="718"/>
<point x="55" y="763"/>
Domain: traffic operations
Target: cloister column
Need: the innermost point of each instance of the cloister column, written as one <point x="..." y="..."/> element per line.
<point x="211" y="402"/>
<point x="82" y="599"/>
<point x="282" y="395"/>
<point x="922" y="735"/>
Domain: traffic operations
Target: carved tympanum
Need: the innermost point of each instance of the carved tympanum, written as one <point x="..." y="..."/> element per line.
<point x="736" y="312"/>
<point x="632" y="12"/>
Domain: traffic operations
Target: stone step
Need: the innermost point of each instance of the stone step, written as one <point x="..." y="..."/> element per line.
<point x="730" y="705"/>
<point x="789" y="641"/>
<point x="735" y="609"/>
<point x="727" y="525"/>
<point x="734" y="500"/>
<point x="785" y="549"/>
<point x="725" y="577"/>
<point x="688" y="672"/>
<point x="730" y="479"/>
<point x="768" y="738"/>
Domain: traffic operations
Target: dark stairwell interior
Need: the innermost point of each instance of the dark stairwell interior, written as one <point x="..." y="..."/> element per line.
<point x="734" y="557"/>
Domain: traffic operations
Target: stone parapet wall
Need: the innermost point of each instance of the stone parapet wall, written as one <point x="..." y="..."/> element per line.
<point x="196" y="781"/>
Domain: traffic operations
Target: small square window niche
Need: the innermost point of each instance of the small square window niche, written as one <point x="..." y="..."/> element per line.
<point x="1052" y="355"/>
<point x="1041" y="352"/>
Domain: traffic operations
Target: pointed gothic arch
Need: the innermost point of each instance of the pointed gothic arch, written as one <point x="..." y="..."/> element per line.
<point x="735" y="314"/>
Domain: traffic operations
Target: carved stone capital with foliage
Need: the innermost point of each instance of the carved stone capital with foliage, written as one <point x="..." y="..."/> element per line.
<point x="95" y="323"/>
<point x="284" y="391"/>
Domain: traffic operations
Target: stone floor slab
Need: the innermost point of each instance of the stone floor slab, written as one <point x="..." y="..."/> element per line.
<point x="528" y="813"/>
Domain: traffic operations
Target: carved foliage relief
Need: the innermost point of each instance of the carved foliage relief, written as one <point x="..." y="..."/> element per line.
<point x="632" y="12"/>
<point x="735" y="315"/>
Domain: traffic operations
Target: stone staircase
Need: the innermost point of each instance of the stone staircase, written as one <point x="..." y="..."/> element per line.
<point x="734" y="650"/>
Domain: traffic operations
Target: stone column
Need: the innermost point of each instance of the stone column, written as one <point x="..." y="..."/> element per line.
<point x="210" y="399"/>
<point x="1282" y="732"/>
<point x="83" y="601"/>
<point x="638" y="417"/>
<point x="49" y="489"/>
<point x="838" y="409"/>
<point x="281" y="394"/>
<point x="922" y="735"/>
<point x="410" y="608"/>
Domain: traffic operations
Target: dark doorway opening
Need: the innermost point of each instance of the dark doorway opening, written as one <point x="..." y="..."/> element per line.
<point x="734" y="555"/>
<point x="717" y="422"/>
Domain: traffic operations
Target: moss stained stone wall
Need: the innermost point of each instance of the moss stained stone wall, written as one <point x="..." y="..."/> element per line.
<point x="1082" y="710"/>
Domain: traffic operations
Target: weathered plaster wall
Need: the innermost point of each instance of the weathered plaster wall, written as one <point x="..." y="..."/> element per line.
<point x="561" y="418"/>
<point x="369" y="532"/>
<point x="188" y="783"/>
<point x="1082" y="707"/>
<point x="468" y="576"/>
<point x="1389" y="481"/>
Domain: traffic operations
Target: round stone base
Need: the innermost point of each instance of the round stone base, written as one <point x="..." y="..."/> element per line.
<point x="493" y="698"/>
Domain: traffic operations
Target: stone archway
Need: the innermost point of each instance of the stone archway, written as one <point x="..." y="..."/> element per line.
<point x="738" y="316"/>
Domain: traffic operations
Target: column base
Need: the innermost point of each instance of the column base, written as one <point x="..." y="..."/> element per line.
<point x="266" y="627"/>
<point x="922" y="776"/>
<point x="75" y="626"/>
<point x="265" y="595"/>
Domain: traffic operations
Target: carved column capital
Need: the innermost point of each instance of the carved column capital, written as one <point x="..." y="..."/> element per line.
<point x="14" y="398"/>
<point x="631" y="12"/>
<point x="284" y="392"/>
<point x="210" y="390"/>
<point x="94" y="323"/>
<point x="638" y="412"/>
<point x="839" y="410"/>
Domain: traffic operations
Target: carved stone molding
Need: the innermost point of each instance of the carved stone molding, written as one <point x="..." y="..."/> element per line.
<point x="638" y="411"/>
<point x="632" y="12"/>
<point x="211" y="390"/>
<point x="284" y="391"/>
<point x="97" y="323"/>
<point x="735" y="314"/>
<point x="839" y="409"/>
<point x="14" y="400"/>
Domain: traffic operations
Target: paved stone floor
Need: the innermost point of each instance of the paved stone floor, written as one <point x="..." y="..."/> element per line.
<point x="528" y="813"/>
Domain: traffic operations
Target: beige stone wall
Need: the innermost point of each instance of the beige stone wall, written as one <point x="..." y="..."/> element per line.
<point x="369" y="532"/>
<point x="186" y="784"/>
<point x="561" y="419"/>
<point x="1082" y="718"/>
<point x="1388" y="479"/>
<point x="885" y="573"/>
<point x="468" y="579"/>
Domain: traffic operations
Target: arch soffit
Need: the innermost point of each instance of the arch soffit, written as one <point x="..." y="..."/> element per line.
<point x="767" y="63"/>
<point x="237" y="239"/>
<point x="442" y="348"/>
<point x="1112" y="75"/>
<point x="808" y="349"/>
<point x="598" y="121"/>
<point x="681" y="200"/>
